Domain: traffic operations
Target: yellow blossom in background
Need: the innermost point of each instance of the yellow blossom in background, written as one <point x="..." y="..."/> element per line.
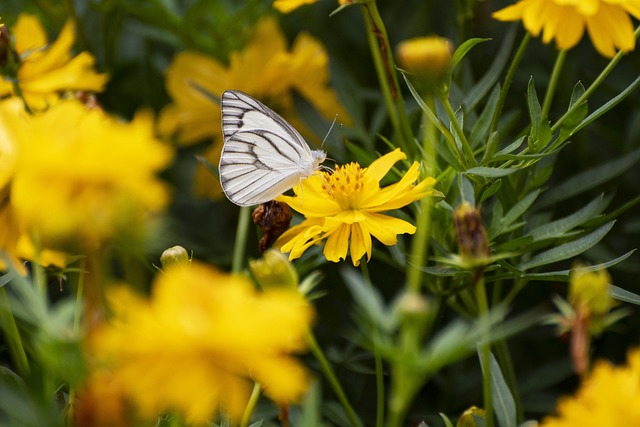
<point x="200" y="341"/>
<point x="426" y="58"/>
<point x="286" y="6"/>
<point x="81" y="175"/>
<point x="607" y="22"/>
<point x="266" y="69"/>
<point x="48" y="69"/>
<point x="589" y="290"/>
<point x="344" y="207"/>
<point x="607" y="398"/>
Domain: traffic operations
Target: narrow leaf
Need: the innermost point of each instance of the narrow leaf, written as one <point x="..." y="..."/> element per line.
<point x="624" y="295"/>
<point x="487" y="172"/>
<point x="569" y="249"/>
<point x="563" y="275"/>
<point x="503" y="403"/>
<point x="464" y="48"/>
<point x="559" y="227"/>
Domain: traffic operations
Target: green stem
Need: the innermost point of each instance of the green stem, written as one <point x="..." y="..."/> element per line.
<point x="12" y="335"/>
<point x="253" y="400"/>
<point x="468" y="157"/>
<point x="596" y="83"/>
<point x="387" y="76"/>
<point x="325" y="366"/>
<point x="377" y="358"/>
<point x="506" y="85"/>
<point x="553" y="82"/>
<point x="77" y="314"/>
<point x="483" y="309"/>
<point x="240" y="244"/>
<point x="419" y="244"/>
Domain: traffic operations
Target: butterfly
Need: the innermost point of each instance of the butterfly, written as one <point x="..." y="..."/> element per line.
<point x="263" y="156"/>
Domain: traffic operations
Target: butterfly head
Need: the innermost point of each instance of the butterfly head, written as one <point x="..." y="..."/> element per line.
<point x="319" y="157"/>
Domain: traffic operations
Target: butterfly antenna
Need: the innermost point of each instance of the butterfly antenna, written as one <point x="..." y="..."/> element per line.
<point x="329" y="131"/>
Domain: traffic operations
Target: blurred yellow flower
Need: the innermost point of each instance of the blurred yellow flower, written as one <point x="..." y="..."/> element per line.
<point x="426" y="57"/>
<point x="589" y="291"/>
<point x="14" y="240"/>
<point x="607" y="398"/>
<point x="266" y="69"/>
<point x="48" y="69"/>
<point x="607" y="22"/>
<point x="345" y="206"/>
<point x="81" y="175"/>
<point x="286" y="6"/>
<point x="200" y="341"/>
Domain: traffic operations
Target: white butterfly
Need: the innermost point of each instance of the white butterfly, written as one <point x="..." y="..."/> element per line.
<point x="263" y="155"/>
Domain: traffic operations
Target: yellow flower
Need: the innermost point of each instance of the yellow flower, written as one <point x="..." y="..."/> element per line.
<point x="81" y="175"/>
<point x="286" y="6"/>
<point x="266" y="69"/>
<point x="47" y="69"/>
<point x="607" y="398"/>
<point x="201" y="340"/>
<point x="346" y="205"/>
<point x="607" y="22"/>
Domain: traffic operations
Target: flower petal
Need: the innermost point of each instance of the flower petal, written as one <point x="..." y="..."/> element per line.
<point x="380" y="167"/>
<point x="386" y="228"/>
<point x="337" y="244"/>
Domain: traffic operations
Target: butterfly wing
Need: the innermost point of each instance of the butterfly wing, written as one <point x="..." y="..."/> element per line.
<point x="263" y="155"/>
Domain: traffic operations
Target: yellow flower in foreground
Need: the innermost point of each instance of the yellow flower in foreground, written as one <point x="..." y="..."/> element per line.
<point x="81" y="175"/>
<point x="47" y="69"/>
<point x="265" y="69"/>
<point x="607" y="398"/>
<point x="607" y="22"/>
<point x="345" y="206"/>
<point x="201" y="340"/>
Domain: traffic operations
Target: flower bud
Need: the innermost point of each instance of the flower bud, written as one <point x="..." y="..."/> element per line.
<point x="274" y="270"/>
<point x="473" y="242"/>
<point x="427" y="59"/>
<point x="174" y="255"/>
<point x="589" y="290"/>
<point x="472" y="417"/>
<point x="273" y="218"/>
<point x="8" y="55"/>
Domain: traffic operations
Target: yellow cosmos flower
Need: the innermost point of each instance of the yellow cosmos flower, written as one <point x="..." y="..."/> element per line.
<point x="47" y="69"/>
<point x="81" y="175"/>
<point x="197" y="345"/>
<point x="345" y="206"/>
<point x="607" y="22"/>
<point x="607" y="398"/>
<point x="266" y="69"/>
<point x="286" y="6"/>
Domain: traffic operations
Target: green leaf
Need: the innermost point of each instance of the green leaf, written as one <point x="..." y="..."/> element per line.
<point x="569" y="249"/>
<point x="573" y="120"/>
<point x="501" y="223"/>
<point x="6" y="278"/>
<point x="563" y="275"/>
<point x="466" y="190"/>
<point x="445" y="419"/>
<point x="608" y="106"/>
<point x="481" y="127"/>
<point x="559" y="227"/>
<point x="487" y="172"/>
<point x="624" y="295"/>
<point x="463" y="49"/>
<point x="540" y="134"/>
<point x="489" y="79"/>
<point x="493" y="189"/>
<point x="589" y="179"/>
<point x="503" y="403"/>
<point x="511" y="147"/>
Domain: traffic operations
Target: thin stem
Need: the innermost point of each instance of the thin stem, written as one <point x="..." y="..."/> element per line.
<point x="325" y="366"/>
<point x="483" y="308"/>
<point x="596" y="83"/>
<point x="506" y="85"/>
<point x="12" y="335"/>
<point x="240" y="244"/>
<point x="377" y="358"/>
<point x="419" y="244"/>
<point x="253" y="400"/>
<point x="387" y="77"/>
<point x="553" y="82"/>
<point x="77" y="314"/>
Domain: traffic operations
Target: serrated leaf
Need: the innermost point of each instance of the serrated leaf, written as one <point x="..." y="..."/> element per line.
<point x="557" y="228"/>
<point x="569" y="249"/>
<point x="503" y="403"/>
<point x="589" y="179"/>
<point x="487" y="172"/>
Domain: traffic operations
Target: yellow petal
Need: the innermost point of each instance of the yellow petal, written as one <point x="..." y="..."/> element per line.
<point x="337" y="244"/>
<point x="386" y="228"/>
<point x="381" y="166"/>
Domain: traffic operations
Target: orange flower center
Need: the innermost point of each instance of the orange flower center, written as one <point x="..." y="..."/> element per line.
<point x="345" y="185"/>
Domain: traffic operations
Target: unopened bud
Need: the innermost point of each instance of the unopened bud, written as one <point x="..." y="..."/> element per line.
<point x="427" y="59"/>
<point x="589" y="289"/>
<point x="473" y="242"/>
<point x="472" y="417"/>
<point x="274" y="270"/>
<point x="174" y="255"/>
